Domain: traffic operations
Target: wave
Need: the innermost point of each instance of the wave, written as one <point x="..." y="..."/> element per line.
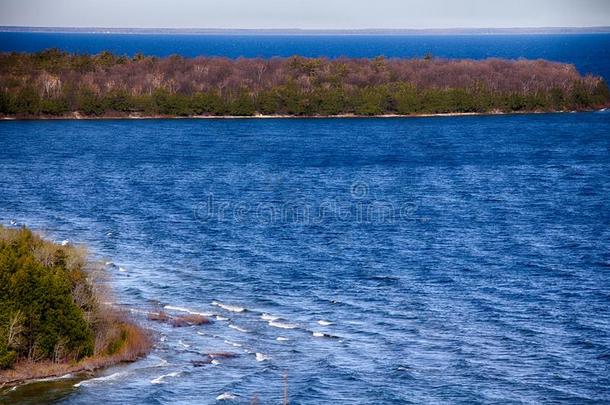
<point x="122" y="269"/>
<point x="324" y="323"/>
<point x="324" y="335"/>
<point x="162" y="363"/>
<point x="221" y="318"/>
<point x="269" y="317"/>
<point x="225" y="396"/>
<point x="159" y="380"/>
<point x="281" y="339"/>
<point x="237" y="328"/>
<point x="234" y="344"/>
<point x="227" y="307"/>
<point x="282" y="325"/>
<point x="61" y="377"/>
<point x="262" y="357"/>
<point x="181" y="343"/>
<point x="188" y="311"/>
<point x="101" y="379"/>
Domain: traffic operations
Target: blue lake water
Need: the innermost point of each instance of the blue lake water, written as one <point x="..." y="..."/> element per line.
<point x="589" y="52"/>
<point x="457" y="259"/>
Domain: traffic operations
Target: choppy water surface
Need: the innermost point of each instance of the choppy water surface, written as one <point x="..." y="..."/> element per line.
<point x="370" y="260"/>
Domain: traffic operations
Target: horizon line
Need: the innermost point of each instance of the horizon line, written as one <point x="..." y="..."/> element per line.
<point x="346" y="31"/>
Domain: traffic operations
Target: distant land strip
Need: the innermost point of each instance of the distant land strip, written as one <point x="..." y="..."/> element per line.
<point x="293" y="31"/>
<point x="57" y="84"/>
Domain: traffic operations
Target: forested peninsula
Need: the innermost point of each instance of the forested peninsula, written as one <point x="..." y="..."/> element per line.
<point x="55" y="317"/>
<point x="56" y="84"/>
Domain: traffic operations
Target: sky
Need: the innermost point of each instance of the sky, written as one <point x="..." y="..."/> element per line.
<point x="312" y="14"/>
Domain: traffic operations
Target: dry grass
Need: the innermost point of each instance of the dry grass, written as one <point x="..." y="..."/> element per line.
<point x="137" y="343"/>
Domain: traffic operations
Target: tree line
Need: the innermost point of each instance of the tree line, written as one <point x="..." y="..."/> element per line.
<point x="56" y="83"/>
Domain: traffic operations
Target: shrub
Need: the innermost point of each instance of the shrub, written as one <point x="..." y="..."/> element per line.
<point x="49" y="310"/>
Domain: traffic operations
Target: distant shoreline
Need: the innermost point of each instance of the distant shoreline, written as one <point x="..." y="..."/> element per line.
<point x="313" y="32"/>
<point x="79" y="117"/>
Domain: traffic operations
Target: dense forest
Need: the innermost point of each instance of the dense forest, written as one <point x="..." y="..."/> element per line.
<point x="55" y="83"/>
<point x="52" y="315"/>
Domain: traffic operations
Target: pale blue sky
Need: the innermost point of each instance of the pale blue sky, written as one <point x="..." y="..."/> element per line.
<point x="324" y="14"/>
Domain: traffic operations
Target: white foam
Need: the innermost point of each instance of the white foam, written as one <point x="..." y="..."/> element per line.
<point x="226" y="307"/>
<point x="261" y="357"/>
<point x="181" y="343"/>
<point x="65" y="242"/>
<point x="324" y="323"/>
<point x="237" y="328"/>
<point x="215" y="362"/>
<point x="162" y="363"/>
<point x="281" y="339"/>
<point x="100" y="379"/>
<point x="110" y="264"/>
<point x="225" y="396"/>
<point x="282" y="325"/>
<point x="159" y="380"/>
<point x="221" y="318"/>
<point x="122" y="269"/>
<point x="188" y="311"/>
<point x="318" y="334"/>
<point x="136" y="311"/>
<point x="61" y="377"/>
<point x="232" y="343"/>
<point x="269" y="317"/>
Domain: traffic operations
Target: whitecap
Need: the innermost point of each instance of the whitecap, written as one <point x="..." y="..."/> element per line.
<point x="281" y="339"/>
<point x="160" y="379"/>
<point x="269" y="317"/>
<point x="188" y="311"/>
<point x="122" y="269"/>
<point x="181" y="343"/>
<point x="318" y="334"/>
<point x="215" y="362"/>
<point x="61" y="377"/>
<point x="237" y="328"/>
<point x="65" y="242"/>
<point x="232" y="343"/>
<point x="261" y="357"/>
<point x="225" y="396"/>
<point x="221" y="318"/>
<point x="162" y="363"/>
<point x="226" y="307"/>
<point x="324" y="323"/>
<point x="100" y="379"/>
<point x="282" y="325"/>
